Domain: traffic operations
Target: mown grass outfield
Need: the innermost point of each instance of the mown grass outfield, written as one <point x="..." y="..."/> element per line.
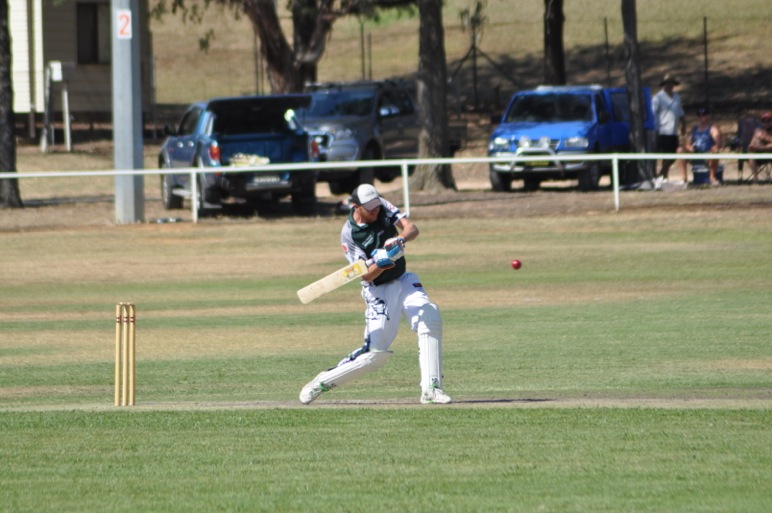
<point x="627" y="367"/>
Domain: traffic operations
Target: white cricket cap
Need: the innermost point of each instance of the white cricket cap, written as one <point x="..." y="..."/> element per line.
<point x="366" y="196"/>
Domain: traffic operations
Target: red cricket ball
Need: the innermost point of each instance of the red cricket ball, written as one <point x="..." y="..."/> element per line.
<point x="516" y="264"/>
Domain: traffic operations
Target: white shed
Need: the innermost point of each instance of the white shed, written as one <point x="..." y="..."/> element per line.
<point x="76" y="33"/>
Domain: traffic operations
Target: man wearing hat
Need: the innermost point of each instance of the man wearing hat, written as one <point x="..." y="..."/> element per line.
<point x="668" y="115"/>
<point x="761" y="143"/>
<point x="376" y="231"/>
<point x="705" y="138"/>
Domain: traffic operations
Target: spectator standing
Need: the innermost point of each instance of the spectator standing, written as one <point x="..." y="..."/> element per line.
<point x="705" y="137"/>
<point x="761" y="143"/>
<point x="669" y="115"/>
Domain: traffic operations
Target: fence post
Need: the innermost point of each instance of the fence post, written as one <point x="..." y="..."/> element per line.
<point x="194" y="196"/>
<point x="405" y="188"/>
<point x="615" y="179"/>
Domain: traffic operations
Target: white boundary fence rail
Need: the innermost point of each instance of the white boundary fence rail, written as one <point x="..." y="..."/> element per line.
<point x="615" y="158"/>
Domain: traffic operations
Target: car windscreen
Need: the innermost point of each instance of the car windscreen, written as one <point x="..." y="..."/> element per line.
<point x="550" y="108"/>
<point x="339" y="103"/>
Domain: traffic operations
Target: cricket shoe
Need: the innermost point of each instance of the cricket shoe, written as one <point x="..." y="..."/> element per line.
<point x="312" y="390"/>
<point x="434" y="395"/>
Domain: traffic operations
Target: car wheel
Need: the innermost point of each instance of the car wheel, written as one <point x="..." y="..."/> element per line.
<point x="531" y="184"/>
<point x="304" y="200"/>
<point x="340" y="186"/>
<point x="207" y="201"/>
<point x="170" y="200"/>
<point x="589" y="178"/>
<point x="500" y="182"/>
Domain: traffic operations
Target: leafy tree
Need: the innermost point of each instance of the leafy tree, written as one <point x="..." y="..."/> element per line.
<point x="9" y="189"/>
<point x="290" y="64"/>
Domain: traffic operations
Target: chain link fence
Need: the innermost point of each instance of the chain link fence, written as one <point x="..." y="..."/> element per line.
<point x="721" y="53"/>
<point x="723" y="62"/>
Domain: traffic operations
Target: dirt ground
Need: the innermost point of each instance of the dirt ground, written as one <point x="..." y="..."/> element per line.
<point x="71" y="203"/>
<point x="472" y="200"/>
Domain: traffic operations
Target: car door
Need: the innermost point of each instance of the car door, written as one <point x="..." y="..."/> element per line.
<point x="183" y="146"/>
<point x="619" y="125"/>
<point x="399" y="125"/>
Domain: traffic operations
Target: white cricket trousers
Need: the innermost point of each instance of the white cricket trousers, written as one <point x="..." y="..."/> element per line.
<point x="385" y="306"/>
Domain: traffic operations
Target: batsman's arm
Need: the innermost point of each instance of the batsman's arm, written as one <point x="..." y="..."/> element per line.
<point x="407" y="229"/>
<point x="373" y="271"/>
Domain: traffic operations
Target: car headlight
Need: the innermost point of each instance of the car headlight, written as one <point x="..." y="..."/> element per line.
<point x="576" y="142"/>
<point x="524" y="142"/>
<point x="499" y="144"/>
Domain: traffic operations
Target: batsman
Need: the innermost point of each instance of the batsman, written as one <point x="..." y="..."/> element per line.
<point x="376" y="231"/>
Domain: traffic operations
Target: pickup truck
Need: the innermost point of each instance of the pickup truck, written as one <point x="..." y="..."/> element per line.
<point x="221" y="133"/>
<point x="367" y="120"/>
<point x="561" y="120"/>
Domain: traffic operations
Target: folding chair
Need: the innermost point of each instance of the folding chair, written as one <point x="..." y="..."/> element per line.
<point x="745" y="129"/>
<point x="765" y="172"/>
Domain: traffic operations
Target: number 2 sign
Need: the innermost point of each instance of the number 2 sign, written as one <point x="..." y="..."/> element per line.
<point x="123" y="24"/>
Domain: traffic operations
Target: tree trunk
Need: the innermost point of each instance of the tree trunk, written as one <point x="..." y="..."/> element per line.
<point x="9" y="189"/>
<point x="634" y="90"/>
<point x="554" y="56"/>
<point x="287" y="72"/>
<point x="431" y="90"/>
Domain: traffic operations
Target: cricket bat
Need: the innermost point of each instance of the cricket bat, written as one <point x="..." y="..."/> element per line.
<point x="332" y="281"/>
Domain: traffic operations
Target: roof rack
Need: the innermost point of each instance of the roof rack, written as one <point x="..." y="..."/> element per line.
<point x="594" y="87"/>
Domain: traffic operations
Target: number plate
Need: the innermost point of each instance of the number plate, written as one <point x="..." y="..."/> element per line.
<point x="262" y="179"/>
<point x="537" y="163"/>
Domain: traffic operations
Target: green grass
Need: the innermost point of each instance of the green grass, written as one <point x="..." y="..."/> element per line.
<point x="385" y="460"/>
<point x="626" y="367"/>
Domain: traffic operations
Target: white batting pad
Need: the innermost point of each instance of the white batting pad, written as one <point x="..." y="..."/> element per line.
<point x="430" y="359"/>
<point x="349" y="371"/>
<point x="429" y="329"/>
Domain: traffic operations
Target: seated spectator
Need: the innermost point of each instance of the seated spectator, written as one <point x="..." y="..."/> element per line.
<point x="761" y="143"/>
<point x="705" y="137"/>
<point x="746" y="127"/>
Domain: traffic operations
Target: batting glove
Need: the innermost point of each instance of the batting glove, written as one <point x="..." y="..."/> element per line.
<point x="395" y="247"/>
<point x="382" y="259"/>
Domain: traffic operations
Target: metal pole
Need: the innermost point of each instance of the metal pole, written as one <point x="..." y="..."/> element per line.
<point x="474" y="63"/>
<point x="66" y="115"/>
<point x="194" y="196"/>
<point x="44" y="136"/>
<point x="608" y="58"/>
<point x="154" y="98"/>
<point x="362" y="46"/>
<point x="127" y="110"/>
<point x="705" y="46"/>
<point x="405" y="188"/>
<point x="615" y="180"/>
<point x="256" y="52"/>
<point x="370" y="55"/>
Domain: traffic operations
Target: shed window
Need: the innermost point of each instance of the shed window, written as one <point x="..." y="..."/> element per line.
<point x="93" y="33"/>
